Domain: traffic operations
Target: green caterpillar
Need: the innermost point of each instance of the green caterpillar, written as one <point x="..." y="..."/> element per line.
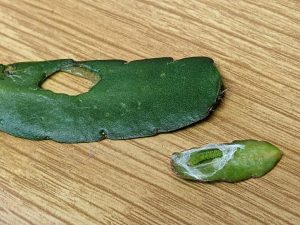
<point x="233" y="162"/>
<point x="204" y="155"/>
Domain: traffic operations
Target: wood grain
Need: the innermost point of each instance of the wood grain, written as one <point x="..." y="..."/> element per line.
<point x="256" y="46"/>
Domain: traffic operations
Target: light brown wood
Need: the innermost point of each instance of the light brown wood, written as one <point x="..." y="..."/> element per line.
<point x="256" y="46"/>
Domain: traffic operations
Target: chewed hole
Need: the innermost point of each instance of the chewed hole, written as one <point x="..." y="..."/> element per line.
<point x="70" y="82"/>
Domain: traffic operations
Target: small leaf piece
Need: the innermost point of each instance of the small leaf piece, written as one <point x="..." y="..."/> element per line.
<point x="233" y="162"/>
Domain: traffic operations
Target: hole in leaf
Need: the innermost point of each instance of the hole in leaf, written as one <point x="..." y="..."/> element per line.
<point x="74" y="81"/>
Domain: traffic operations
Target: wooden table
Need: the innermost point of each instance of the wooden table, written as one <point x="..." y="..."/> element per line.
<point x="256" y="46"/>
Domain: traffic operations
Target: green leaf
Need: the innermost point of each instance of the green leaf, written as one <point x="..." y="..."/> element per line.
<point x="233" y="162"/>
<point x="128" y="100"/>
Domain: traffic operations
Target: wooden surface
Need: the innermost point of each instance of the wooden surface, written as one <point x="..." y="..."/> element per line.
<point x="256" y="46"/>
